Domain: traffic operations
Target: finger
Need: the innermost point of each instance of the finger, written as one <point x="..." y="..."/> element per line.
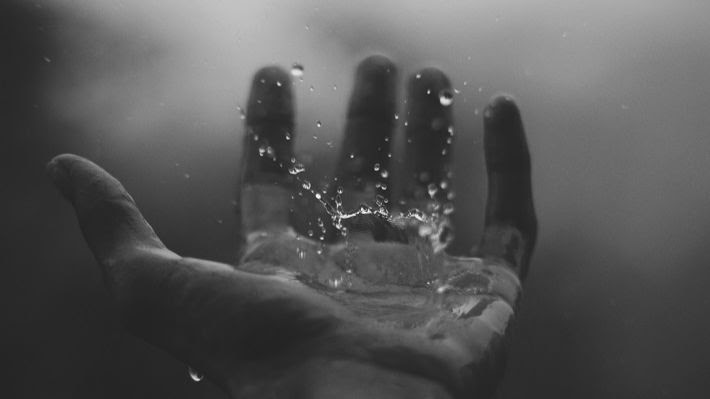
<point x="112" y="225"/>
<point x="208" y="315"/>
<point x="429" y="138"/>
<point x="510" y="223"/>
<point x="268" y="152"/>
<point x="362" y="170"/>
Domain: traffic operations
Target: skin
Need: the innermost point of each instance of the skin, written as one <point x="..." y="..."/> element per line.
<point x="257" y="329"/>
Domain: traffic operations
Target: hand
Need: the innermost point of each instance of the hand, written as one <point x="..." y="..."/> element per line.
<point x="383" y="312"/>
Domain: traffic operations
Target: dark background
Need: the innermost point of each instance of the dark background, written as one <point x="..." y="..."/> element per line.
<point x="616" y="102"/>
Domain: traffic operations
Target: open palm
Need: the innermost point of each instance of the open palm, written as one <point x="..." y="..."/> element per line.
<point x="372" y="308"/>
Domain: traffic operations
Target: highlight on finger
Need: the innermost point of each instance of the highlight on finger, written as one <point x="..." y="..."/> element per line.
<point x="429" y="138"/>
<point x="362" y="169"/>
<point x="510" y="223"/>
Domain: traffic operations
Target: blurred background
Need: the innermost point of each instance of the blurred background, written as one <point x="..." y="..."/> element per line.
<point x="615" y="98"/>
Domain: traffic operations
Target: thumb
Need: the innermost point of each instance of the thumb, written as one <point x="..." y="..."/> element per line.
<point x="109" y="219"/>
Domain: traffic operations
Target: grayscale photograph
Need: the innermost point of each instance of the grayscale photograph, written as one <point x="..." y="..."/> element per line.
<point x="313" y="199"/>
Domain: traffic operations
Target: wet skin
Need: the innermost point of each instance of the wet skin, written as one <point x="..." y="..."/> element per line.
<point x="260" y="330"/>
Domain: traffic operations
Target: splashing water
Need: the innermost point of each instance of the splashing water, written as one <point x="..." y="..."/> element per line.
<point x="420" y="286"/>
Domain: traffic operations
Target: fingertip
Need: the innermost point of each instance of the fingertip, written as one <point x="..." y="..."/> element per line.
<point x="59" y="170"/>
<point x="501" y="107"/>
<point x="271" y="96"/>
<point x="429" y="83"/>
<point x="378" y="65"/>
<point x="374" y="94"/>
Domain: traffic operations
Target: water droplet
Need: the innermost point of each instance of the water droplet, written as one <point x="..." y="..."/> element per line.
<point x="296" y="168"/>
<point x="339" y="190"/>
<point x="352" y="156"/>
<point x="318" y="196"/>
<point x="297" y="70"/>
<point x="187" y="175"/>
<point x="195" y="375"/>
<point x="451" y="195"/>
<point x="396" y="116"/>
<point x="432" y="189"/>
<point x="384" y="173"/>
<point x="306" y="185"/>
<point x="262" y="150"/>
<point x="428" y="91"/>
<point x="335" y="87"/>
<point x="376" y="167"/>
<point x="311" y="89"/>
<point x="444" y="184"/>
<point x="448" y="208"/>
<point x="465" y="83"/>
<point x="418" y="76"/>
<point x="278" y="83"/>
<point x="446" y="98"/>
<point x="310" y="233"/>
<point x="47" y="59"/>
<point x="318" y="124"/>
<point x="450" y="130"/>
<point x="287" y="136"/>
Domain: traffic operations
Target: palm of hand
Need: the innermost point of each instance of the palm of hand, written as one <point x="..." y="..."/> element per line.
<point x="384" y="314"/>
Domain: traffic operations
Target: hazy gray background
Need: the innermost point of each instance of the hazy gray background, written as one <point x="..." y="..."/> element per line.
<point x="615" y="98"/>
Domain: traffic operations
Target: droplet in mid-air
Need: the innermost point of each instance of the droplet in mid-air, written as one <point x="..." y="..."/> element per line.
<point x="432" y="189"/>
<point x="195" y="375"/>
<point x="448" y="208"/>
<point x="296" y="168"/>
<point x="297" y="70"/>
<point x="446" y="98"/>
<point x="384" y="173"/>
<point x="306" y="185"/>
<point x="376" y="167"/>
<point x="319" y="124"/>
